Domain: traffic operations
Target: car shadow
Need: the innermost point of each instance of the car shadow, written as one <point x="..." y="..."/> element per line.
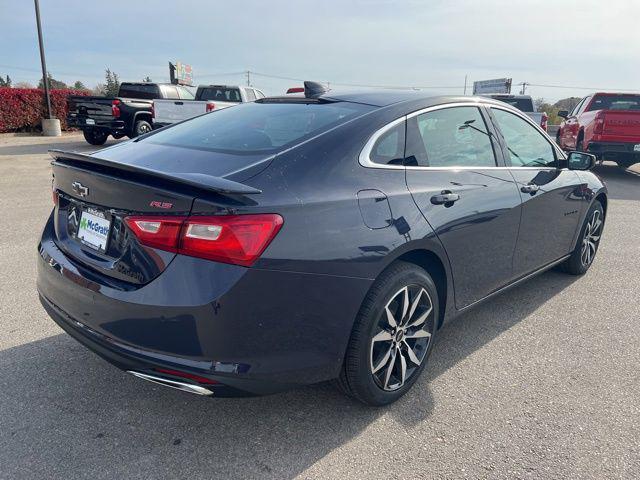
<point x="64" y="411"/>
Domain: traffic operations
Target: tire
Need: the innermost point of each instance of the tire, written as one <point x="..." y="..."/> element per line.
<point x="583" y="255"/>
<point x="378" y="353"/>
<point x="95" y="136"/>
<point x="140" y="128"/>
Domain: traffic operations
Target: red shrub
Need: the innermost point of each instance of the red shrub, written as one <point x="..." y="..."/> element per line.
<point x="23" y="108"/>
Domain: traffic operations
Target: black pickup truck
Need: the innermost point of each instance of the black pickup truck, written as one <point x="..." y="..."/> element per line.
<point x="129" y="114"/>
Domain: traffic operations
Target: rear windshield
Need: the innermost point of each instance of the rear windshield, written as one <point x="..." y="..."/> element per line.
<point x="257" y="127"/>
<point x="147" y="92"/>
<point x="615" y="102"/>
<point x="221" y="94"/>
<point x="522" y="104"/>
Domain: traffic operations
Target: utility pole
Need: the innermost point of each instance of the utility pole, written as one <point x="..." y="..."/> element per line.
<point x="248" y="78"/>
<point x="45" y="79"/>
<point x="524" y="88"/>
<point x="465" y="84"/>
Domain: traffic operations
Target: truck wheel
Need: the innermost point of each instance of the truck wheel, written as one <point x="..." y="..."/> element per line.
<point x="95" y="136"/>
<point x="140" y="128"/>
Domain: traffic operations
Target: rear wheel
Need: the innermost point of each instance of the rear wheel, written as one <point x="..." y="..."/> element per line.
<point x="140" y="128"/>
<point x="95" y="136"/>
<point x="392" y="336"/>
<point x="585" y="252"/>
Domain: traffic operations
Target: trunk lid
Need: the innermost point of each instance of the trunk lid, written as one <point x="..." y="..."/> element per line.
<point x="95" y="194"/>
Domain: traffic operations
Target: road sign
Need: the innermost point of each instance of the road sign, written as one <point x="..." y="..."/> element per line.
<point x="496" y="85"/>
<point x="181" y="73"/>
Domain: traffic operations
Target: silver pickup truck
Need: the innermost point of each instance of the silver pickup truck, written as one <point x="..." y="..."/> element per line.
<point x="524" y="103"/>
<point x="207" y="99"/>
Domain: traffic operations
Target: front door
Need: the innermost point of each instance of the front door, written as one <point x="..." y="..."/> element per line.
<point x="453" y="172"/>
<point x="551" y="196"/>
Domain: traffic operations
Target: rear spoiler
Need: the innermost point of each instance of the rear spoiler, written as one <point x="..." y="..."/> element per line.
<point x="197" y="180"/>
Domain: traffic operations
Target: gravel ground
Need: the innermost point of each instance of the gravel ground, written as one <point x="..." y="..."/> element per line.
<point x="542" y="382"/>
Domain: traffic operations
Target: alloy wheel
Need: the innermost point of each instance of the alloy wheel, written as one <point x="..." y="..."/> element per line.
<point x="404" y="331"/>
<point x="591" y="238"/>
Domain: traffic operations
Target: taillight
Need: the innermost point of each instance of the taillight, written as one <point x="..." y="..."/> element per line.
<point x="158" y="232"/>
<point x="296" y="90"/>
<point x="236" y="239"/>
<point x="598" y="122"/>
<point x="115" y="109"/>
<point x="543" y="121"/>
<point x="210" y="106"/>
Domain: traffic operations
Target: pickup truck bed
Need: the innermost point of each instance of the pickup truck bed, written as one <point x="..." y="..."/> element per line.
<point x="605" y="124"/>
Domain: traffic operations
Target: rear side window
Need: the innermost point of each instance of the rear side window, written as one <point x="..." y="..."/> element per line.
<point x="146" y="92"/>
<point x="185" y="93"/>
<point x="251" y="96"/>
<point x="615" y="102"/>
<point x="221" y="94"/>
<point x="522" y="104"/>
<point x="170" y="92"/>
<point x="257" y="127"/>
<point x="449" y="137"/>
<point x="389" y="148"/>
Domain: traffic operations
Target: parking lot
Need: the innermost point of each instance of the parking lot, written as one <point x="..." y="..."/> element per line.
<point x="542" y="382"/>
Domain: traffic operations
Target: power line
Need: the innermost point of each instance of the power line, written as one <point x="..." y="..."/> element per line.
<point x="569" y="87"/>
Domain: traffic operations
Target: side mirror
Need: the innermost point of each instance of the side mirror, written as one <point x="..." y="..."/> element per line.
<point x="581" y="161"/>
<point x="563" y="113"/>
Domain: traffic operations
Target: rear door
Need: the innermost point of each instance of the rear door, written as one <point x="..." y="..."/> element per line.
<point x="456" y="175"/>
<point x="551" y="196"/>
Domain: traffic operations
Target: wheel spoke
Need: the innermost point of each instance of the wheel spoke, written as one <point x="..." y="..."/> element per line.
<point x="383" y="336"/>
<point x="403" y="368"/>
<point x="390" y="319"/>
<point x="405" y="305"/>
<point x="392" y="363"/>
<point x="583" y="255"/>
<point x="411" y="354"/>
<point x="421" y="319"/>
<point x="416" y="302"/>
<point x="419" y="334"/>
<point x="382" y="362"/>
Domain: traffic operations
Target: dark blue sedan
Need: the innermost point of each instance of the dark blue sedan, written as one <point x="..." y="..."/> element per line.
<point x="294" y="240"/>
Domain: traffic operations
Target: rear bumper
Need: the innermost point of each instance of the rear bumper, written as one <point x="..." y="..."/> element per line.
<point x="114" y="126"/>
<point x="613" y="150"/>
<point x="253" y="331"/>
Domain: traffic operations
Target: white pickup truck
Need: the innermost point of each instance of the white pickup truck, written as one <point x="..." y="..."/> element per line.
<point x="207" y="99"/>
<point x="524" y="103"/>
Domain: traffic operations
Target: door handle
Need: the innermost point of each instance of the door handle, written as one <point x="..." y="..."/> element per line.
<point x="446" y="198"/>
<point x="531" y="188"/>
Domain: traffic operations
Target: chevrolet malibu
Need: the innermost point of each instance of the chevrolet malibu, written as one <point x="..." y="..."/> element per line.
<point x="295" y="240"/>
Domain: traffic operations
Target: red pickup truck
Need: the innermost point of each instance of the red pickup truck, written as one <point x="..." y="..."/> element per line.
<point x="605" y="124"/>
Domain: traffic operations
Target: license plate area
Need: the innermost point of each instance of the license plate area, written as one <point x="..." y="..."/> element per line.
<point x="94" y="226"/>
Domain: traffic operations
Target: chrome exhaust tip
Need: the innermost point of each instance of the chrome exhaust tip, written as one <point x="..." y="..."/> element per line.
<point x="185" y="387"/>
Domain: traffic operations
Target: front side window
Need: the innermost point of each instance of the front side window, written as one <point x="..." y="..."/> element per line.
<point x="449" y="137"/>
<point x="526" y="146"/>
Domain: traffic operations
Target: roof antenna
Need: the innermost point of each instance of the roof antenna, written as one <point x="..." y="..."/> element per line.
<point x="314" y="89"/>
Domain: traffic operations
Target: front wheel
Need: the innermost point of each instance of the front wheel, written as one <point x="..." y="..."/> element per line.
<point x="392" y="336"/>
<point x="95" y="136"/>
<point x="585" y="252"/>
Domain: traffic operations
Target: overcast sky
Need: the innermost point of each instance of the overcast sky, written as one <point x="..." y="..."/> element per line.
<point x="430" y="43"/>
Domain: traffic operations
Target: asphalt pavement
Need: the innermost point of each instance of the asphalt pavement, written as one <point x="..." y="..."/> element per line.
<point x="542" y="382"/>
